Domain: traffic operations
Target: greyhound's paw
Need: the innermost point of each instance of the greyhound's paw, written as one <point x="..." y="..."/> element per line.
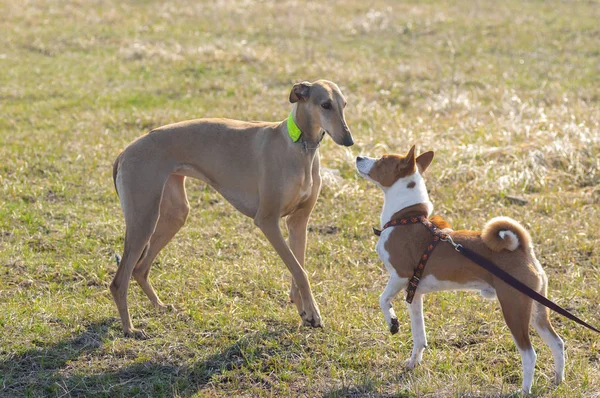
<point x="166" y="308"/>
<point x="137" y="334"/>
<point x="395" y="325"/>
<point x="312" y="319"/>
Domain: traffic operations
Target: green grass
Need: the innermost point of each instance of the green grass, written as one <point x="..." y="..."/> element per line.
<point x="506" y="93"/>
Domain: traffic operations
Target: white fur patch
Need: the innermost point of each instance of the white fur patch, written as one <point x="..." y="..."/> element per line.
<point x="557" y="347"/>
<point x="511" y="238"/>
<point x="399" y="196"/>
<point x="430" y="284"/>
<point x="364" y="166"/>
<point x="385" y="256"/>
<point x="528" y="358"/>
<point x="417" y="327"/>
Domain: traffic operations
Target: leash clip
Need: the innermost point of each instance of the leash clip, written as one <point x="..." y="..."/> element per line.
<point x="448" y="238"/>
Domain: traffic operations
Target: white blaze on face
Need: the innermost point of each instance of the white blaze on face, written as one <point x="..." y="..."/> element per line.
<point x="404" y="192"/>
<point x="364" y="166"/>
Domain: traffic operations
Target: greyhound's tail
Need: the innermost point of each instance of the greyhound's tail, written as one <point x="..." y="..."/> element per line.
<point x="503" y="233"/>
<point x="116" y="171"/>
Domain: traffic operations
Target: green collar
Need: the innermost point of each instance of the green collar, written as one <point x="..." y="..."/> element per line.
<point x="293" y="129"/>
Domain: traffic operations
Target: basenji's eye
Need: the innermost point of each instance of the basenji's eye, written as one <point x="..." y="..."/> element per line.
<point x="326" y="105"/>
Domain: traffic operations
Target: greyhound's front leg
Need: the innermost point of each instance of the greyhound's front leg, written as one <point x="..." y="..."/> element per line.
<point x="417" y="325"/>
<point x="392" y="288"/>
<point x="270" y="227"/>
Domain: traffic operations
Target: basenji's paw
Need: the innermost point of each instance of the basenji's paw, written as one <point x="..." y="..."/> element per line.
<point x="312" y="319"/>
<point x="394" y="326"/>
<point x="137" y="334"/>
<point x="411" y="363"/>
<point x="558" y="378"/>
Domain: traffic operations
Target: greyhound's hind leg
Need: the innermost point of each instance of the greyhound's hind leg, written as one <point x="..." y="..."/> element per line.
<point x="174" y="209"/>
<point x="141" y="203"/>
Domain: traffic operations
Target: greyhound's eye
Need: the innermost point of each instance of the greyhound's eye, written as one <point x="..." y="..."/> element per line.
<point x="326" y="105"/>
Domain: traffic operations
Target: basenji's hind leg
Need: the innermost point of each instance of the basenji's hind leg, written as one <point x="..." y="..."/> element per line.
<point x="174" y="209"/>
<point x="417" y="326"/>
<point x="516" y="308"/>
<point x="541" y="323"/>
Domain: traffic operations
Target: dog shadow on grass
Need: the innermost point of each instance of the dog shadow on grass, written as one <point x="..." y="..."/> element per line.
<point x="46" y="370"/>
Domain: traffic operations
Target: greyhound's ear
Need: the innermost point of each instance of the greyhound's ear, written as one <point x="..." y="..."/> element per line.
<point x="424" y="160"/>
<point x="300" y="91"/>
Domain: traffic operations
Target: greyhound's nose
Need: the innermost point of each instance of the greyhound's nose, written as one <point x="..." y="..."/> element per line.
<point x="360" y="158"/>
<point x="348" y="140"/>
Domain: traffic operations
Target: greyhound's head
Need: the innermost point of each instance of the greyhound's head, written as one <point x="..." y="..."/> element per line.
<point x="320" y="106"/>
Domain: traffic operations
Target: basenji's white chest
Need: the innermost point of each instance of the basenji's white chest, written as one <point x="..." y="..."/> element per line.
<point x="384" y="255"/>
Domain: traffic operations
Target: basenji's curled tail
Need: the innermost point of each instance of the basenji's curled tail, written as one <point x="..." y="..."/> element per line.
<point x="504" y="233"/>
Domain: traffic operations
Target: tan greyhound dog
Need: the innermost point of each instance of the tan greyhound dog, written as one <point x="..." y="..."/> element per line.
<point x="265" y="170"/>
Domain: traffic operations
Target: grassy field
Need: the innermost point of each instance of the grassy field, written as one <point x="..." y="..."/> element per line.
<point x="506" y="93"/>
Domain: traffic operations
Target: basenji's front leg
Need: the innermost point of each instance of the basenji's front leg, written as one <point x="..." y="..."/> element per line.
<point x="417" y="326"/>
<point x="392" y="288"/>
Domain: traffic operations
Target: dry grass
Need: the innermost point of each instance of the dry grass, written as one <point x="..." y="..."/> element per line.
<point x="506" y="94"/>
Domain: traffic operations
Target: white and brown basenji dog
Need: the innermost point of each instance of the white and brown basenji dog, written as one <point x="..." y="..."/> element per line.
<point x="503" y="241"/>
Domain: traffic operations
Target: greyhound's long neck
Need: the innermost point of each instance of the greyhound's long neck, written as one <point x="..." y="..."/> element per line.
<point x="405" y="192"/>
<point x="311" y="134"/>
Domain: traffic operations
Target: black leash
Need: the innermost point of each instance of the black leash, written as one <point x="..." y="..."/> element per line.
<point x="477" y="259"/>
<point x="520" y="286"/>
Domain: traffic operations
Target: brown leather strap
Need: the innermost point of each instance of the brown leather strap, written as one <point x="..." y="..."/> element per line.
<point x="438" y="236"/>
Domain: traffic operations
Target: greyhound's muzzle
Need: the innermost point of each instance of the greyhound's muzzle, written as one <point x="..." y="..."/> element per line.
<point x="348" y="141"/>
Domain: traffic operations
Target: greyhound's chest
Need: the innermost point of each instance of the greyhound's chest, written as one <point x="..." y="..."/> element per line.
<point x="297" y="194"/>
<point x="300" y="183"/>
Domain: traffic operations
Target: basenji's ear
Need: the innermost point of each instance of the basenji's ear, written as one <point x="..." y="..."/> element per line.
<point x="300" y="91"/>
<point x="424" y="160"/>
<point x="410" y="156"/>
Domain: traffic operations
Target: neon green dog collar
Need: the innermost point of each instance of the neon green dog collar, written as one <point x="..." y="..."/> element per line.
<point x="293" y="129"/>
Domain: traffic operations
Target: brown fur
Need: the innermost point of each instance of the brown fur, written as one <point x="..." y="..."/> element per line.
<point x="390" y="168"/>
<point x="405" y="245"/>
<point x="440" y="222"/>
<point x="491" y="235"/>
<point x="254" y="165"/>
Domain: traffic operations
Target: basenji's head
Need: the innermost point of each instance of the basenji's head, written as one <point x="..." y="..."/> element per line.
<point x="320" y="106"/>
<point x="399" y="177"/>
